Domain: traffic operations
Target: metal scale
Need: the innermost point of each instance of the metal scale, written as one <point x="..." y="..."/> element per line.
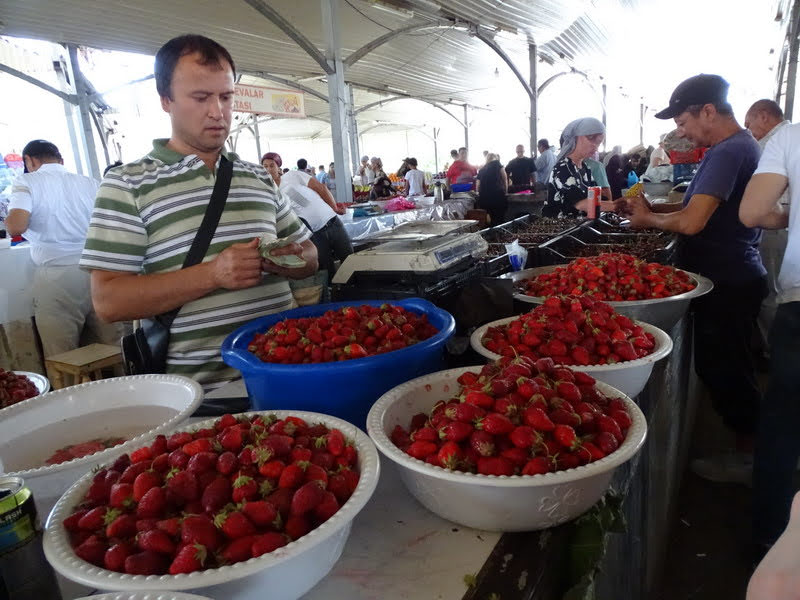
<point x="427" y="249"/>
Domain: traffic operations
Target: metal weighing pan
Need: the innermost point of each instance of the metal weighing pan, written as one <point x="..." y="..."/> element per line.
<point x="661" y="312"/>
<point x="416" y="231"/>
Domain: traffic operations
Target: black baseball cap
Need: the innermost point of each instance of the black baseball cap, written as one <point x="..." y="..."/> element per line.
<point x="700" y="89"/>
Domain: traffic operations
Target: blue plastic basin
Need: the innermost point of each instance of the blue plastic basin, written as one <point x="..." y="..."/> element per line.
<point x="345" y="389"/>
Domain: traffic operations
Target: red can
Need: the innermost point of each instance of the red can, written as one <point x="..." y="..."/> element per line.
<point x="594" y="201"/>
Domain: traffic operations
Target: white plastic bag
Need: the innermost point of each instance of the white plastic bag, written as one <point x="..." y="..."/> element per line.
<point x="517" y="255"/>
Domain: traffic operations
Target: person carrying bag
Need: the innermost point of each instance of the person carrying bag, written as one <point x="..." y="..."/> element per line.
<point x="145" y="350"/>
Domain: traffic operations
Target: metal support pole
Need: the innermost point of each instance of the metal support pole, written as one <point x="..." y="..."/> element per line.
<point x="534" y="115"/>
<point x="86" y="135"/>
<point x="605" y="115"/>
<point x="257" y="135"/>
<point x="352" y="128"/>
<point x="641" y="123"/>
<point x="794" y="46"/>
<point x="436" y="149"/>
<point x="466" y="127"/>
<point x="338" y="99"/>
<point x="65" y="80"/>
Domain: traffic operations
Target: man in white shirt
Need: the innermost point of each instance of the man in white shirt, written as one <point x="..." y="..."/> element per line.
<point x="777" y="446"/>
<point x="764" y="119"/>
<point x="365" y="171"/>
<point x="544" y="162"/>
<point x="51" y="207"/>
<point x="416" y="179"/>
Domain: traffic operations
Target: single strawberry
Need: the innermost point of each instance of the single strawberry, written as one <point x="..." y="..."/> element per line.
<point x="518" y="456"/>
<point x="143" y="482"/>
<point x="94" y="519"/>
<point x="183" y="485"/>
<point x="197" y="445"/>
<point x="482" y="442"/>
<point x="146" y="524"/>
<point x="129" y="475"/>
<point x="171" y="526"/>
<point x="609" y="425"/>
<point x="153" y="504"/>
<point x="495" y="424"/>
<point x="93" y="550"/>
<point x="279" y="445"/>
<point x="421" y="449"/>
<point x="297" y="526"/>
<point x="538" y="465"/>
<point x="122" y="463"/>
<point x="177" y="440"/>
<point x="225" y="421"/>
<point x="202" y="462"/>
<point x="306" y="498"/>
<point x="464" y="412"/>
<point x="536" y="418"/>
<point x="71" y="522"/>
<point x="238" y="550"/>
<point x="159" y="445"/>
<point x="566" y="436"/>
<point x="593" y="451"/>
<point x="160" y="463"/>
<point x="216" y="495"/>
<point x="141" y="455"/>
<point x="299" y="454"/>
<point x="156" y="540"/>
<point x="267" y="542"/>
<point x="114" y="558"/>
<point x="324" y="459"/>
<point x="201" y="530"/>
<point x="606" y="442"/>
<point x="524" y="437"/>
<point x="98" y="492"/>
<point x="234" y="524"/>
<point x="146" y="563"/>
<point x="327" y="507"/>
<point x="450" y="455"/>
<point x="281" y="499"/>
<point x="622" y="418"/>
<point x="261" y="513"/>
<point x="455" y="431"/>
<point x="568" y="391"/>
<point x="122" y="526"/>
<point x="190" y="558"/>
<point x="244" y="488"/>
<point x="227" y="463"/>
<point x="316" y="473"/>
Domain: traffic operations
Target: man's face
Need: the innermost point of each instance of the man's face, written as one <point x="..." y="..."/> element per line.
<point x="202" y="103"/>
<point x="695" y="129"/>
<point x="520" y="150"/>
<point x="759" y="124"/>
<point x="462" y="155"/>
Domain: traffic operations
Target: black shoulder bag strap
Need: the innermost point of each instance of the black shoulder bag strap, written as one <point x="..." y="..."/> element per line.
<point x="202" y="240"/>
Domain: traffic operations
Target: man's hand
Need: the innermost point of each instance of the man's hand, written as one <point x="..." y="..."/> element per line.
<point x="778" y="575"/>
<point x="238" y="266"/>
<point x="638" y="209"/>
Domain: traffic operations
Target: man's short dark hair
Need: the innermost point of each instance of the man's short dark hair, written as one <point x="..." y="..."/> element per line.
<point x="211" y="53"/>
<point x="302" y="164"/>
<point x="723" y="108"/>
<point x="412" y="161"/>
<point x="768" y="106"/>
<point x="321" y="167"/>
<point x="462" y="149"/>
<point x="453" y="153"/>
<point x="42" y="150"/>
<point x="543" y="143"/>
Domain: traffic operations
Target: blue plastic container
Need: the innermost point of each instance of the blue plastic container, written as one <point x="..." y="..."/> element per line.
<point x="461" y="187"/>
<point x="345" y="389"/>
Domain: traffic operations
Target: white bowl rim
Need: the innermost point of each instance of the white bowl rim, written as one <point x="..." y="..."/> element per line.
<point x="143" y="595"/>
<point x="663" y="346"/>
<point x="121" y="448"/>
<point x="36" y="379"/>
<point x="60" y="555"/>
<point x="633" y="441"/>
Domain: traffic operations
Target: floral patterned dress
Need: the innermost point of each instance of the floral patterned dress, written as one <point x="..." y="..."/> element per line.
<point x="568" y="184"/>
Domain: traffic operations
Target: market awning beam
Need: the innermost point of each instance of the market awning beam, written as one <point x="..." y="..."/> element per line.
<point x="71" y="98"/>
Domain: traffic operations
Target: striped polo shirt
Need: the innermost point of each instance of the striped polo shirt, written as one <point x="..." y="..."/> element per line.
<point x="145" y="218"/>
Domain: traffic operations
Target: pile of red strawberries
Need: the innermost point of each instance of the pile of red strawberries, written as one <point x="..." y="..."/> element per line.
<point x="612" y="277"/>
<point x="571" y="330"/>
<point x="343" y="334"/>
<point x="518" y="417"/>
<point x="15" y="388"/>
<point x="217" y="496"/>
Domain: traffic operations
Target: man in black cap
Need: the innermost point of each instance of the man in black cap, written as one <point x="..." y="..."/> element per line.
<point x="716" y="244"/>
<point x="51" y="207"/>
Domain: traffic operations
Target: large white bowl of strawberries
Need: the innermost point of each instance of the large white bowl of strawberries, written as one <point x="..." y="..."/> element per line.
<point x="251" y="506"/>
<point x="529" y="458"/>
<point x="586" y="334"/>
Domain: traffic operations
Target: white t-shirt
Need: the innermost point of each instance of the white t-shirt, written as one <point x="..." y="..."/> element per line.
<point x="295" y="177"/>
<point x="781" y="156"/>
<point x="61" y="206"/>
<point x="307" y="204"/>
<point x="416" y="181"/>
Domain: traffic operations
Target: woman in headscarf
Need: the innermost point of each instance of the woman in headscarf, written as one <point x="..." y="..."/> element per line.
<point x="571" y="179"/>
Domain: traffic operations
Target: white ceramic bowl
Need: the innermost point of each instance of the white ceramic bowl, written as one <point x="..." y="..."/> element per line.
<point x="40" y="381"/>
<point x="629" y="377"/>
<point x="128" y="407"/>
<point x="155" y="595"/>
<point x="517" y="503"/>
<point x="284" y="574"/>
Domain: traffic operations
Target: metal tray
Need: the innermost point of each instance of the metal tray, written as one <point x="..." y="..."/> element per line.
<point x="415" y="231"/>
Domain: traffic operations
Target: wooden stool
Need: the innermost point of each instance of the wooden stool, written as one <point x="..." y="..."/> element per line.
<point x="82" y="364"/>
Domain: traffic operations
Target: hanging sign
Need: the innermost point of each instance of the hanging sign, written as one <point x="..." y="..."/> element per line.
<point x="269" y="101"/>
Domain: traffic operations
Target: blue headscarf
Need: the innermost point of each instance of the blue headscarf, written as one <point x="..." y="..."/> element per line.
<point x="585" y="126"/>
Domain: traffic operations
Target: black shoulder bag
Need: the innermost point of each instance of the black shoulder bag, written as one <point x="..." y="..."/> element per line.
<point x="145" y="350"/>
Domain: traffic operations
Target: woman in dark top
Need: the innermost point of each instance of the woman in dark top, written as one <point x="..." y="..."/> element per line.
<point x="492" y="187"/>
<point x="381" y="189"/>
<point x="571" y="179"/>
<point x="617" y="177"/>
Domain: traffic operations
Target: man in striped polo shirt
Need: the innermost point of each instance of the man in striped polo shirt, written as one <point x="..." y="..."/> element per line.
<point x="147" y="214"/>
